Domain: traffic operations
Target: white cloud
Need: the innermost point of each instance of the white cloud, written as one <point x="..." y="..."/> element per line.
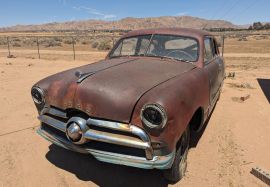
<point x="94" y="12"/>
<point x="181" y="13"/>
<point x="109" y="16"/>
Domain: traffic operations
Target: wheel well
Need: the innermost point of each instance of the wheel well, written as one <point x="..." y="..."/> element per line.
<point x="196" y="121"/>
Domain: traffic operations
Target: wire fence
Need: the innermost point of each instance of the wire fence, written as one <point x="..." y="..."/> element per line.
<point x="50" y="46"/>
<point x="73" y="47"/>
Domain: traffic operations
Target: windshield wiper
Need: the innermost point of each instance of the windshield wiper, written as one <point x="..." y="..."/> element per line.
<point x="171" y="58"/>
<point x="178" y="59"/>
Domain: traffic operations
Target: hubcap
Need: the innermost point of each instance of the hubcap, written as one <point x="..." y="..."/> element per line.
<point x="184" y="151"/>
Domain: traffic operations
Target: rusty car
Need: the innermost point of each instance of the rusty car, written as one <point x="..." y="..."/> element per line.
<point x="139" y="105"/>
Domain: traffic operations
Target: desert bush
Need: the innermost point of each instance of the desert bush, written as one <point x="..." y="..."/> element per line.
<point x="95" y="45"/>
<point x="240" y="85"/>
<point x="3" y="41"/>
<point x="44" y="41"/>
<point x="29" y="41"/>
<point x="16" y="44"/>
<point x="16" y="40"/>
<point x="69" y="41"/>
<point x="243" y="38"/>
<point x="104" y="45"/>
<point x="53" y="43"/>
<point x="85" y="43"/>
<point x="57" y="39"/>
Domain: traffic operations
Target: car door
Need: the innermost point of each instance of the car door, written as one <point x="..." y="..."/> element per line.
<point x="212" y="66"/>
<point x="220" y="61"/>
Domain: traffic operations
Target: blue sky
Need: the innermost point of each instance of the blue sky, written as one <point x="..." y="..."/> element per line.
<point x="13" y="12"/>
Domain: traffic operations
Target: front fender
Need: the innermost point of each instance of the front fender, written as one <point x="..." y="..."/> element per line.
<point x="180" y="96"/>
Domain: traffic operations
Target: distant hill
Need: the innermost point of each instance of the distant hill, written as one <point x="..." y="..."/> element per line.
<point x="127" y="24"/>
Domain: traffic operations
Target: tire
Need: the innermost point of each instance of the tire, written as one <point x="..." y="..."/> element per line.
<point x="219" y="93"/>
<point x="179" y="166"/>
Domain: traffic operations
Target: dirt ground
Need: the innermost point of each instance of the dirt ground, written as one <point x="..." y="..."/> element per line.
<point x="236" y="138"/>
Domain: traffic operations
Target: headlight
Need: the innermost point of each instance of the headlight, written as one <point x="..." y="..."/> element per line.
<point x="153" y="116"/>
<point x="38" y="95"/>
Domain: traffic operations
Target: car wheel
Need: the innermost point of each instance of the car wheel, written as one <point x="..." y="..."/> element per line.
<point x="179" y="166"/>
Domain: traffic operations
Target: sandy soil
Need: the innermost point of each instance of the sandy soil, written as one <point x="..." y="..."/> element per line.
<point x="236" y="138"/>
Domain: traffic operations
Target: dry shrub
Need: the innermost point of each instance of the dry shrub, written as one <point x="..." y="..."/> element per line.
<point x="95" y="45"/>
<point x="240" y="85"/>
<point x="53" y="43"/>
<point x="58" y="39"/>
<point x="243" y="38"/>
<point x="16" y="44"/>
<point x="16" y="40"/>
<point x="85" y="43"/>
<point x="29" y="42"/>
<point x="3" y="41"/>
<point x="104" y="45"/>
<point x="68" y="41"/>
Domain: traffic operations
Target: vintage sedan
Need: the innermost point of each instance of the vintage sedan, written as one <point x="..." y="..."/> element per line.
<point x="138" y="106"/>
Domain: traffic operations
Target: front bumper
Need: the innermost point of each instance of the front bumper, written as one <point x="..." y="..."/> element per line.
<point x="150" y="161"/>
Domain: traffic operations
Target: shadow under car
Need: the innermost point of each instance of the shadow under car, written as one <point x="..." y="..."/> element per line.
<point x="87" y="168"/>
<point x="265" y="86"/>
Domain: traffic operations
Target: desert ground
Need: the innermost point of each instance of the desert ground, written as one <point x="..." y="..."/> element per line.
<point x="235" y="139"/>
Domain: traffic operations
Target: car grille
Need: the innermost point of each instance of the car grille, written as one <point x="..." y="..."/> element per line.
<point x="119" y="138"/>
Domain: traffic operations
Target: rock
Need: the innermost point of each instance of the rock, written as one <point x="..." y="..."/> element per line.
<point x="11" y="56"/>
<point x="243" y="98"/>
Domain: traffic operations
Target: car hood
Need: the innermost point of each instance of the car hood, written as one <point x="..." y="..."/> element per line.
<point x="111" y="88"/>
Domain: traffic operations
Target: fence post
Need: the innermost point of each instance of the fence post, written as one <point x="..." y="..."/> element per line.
<point x="38" y="48"/>
<point x="223" y="39"/>
<point x="73" y="48"/>
<point x="8" y="46"/>
<point x="113" y="41"/>
<point x="113" y="38"/>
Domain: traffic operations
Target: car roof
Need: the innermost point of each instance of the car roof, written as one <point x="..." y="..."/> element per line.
<point x="170" y="31"/>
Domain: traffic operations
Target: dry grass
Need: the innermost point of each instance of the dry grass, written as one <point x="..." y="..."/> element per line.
<point x="240" y="85"/>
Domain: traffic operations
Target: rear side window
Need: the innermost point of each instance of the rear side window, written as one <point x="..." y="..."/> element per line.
<point x="208" y="49"/>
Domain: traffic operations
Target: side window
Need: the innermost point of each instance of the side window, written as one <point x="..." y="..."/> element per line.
<point x="129" y="46"/>
<point x="117" y="51"/>
<point x="208" y="49"/>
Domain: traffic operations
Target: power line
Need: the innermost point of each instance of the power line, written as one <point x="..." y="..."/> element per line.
<point x="230" y="9"/>
<point x="218" y="10"/>
<point x="226" y="13"/>
<point x="244" y="10"/>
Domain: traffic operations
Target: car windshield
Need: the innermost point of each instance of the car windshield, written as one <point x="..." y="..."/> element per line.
<point x="164" y="46"/>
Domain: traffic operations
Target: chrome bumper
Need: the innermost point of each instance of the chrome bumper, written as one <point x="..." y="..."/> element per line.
<point x="158" y="162"/>
<point x="140" y="141"/>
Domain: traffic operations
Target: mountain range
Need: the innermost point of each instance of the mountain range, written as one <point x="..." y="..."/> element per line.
<point x="128" y="23"/>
